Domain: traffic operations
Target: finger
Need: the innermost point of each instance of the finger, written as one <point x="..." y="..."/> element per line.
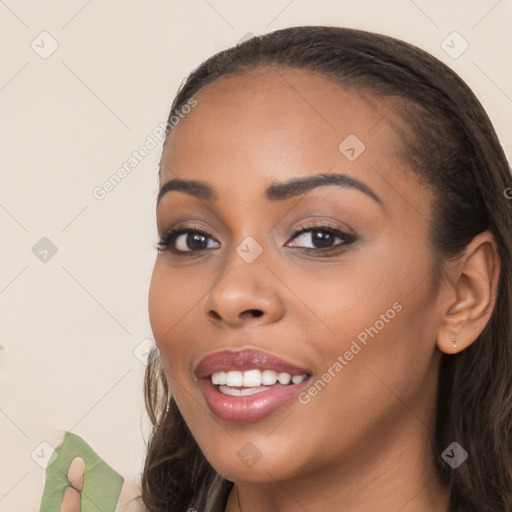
<point x="76" y="473"/>
<point x="71" y="501"/>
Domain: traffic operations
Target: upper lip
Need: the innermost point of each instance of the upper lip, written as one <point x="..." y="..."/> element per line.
<point x="244" y="359"/>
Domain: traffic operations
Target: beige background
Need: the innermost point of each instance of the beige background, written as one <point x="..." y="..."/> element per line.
<point x="69" y="325"/>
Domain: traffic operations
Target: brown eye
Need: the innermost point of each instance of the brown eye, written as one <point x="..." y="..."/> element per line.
<point x="186" y="241"/>
<point x="321" y="238"/>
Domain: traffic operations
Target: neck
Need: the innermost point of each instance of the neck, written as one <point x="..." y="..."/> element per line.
<point x="401" y="477"/>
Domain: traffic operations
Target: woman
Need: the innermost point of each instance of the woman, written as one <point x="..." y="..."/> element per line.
<point x="332" y="295"/>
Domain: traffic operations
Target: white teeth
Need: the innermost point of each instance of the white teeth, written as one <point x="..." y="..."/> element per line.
<point x="234" y="378"/>
<point x="297" y="379"/>
<point x="254" y="379"/>
<point x="226" y="390"/>
<point x="251" y="379"/>
<point x="284" y="378"/>
<point x="268" y="377"/>
<point x="219" y="378"/>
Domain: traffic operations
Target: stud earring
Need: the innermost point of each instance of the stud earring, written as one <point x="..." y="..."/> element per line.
<point x="168" y="401"/>
<point x="454" y="340"/>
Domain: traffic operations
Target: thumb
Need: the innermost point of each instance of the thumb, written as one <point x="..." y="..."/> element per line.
<point x="71" y="500"/>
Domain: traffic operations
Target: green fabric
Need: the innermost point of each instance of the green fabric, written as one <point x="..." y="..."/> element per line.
<point x="102" y="485"/>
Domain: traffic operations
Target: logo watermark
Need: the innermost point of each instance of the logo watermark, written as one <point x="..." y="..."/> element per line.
<point x="355" y="347"/>
<point x="153" y="140"/>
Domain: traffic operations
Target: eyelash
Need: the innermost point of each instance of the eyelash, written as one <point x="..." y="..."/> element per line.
<point x="167" y="241"/>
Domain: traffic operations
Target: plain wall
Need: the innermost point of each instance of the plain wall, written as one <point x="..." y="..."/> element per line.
<point x="69" y="325"/>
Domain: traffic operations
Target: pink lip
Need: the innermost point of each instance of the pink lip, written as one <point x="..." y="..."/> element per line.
<point x="246" y="409"/>
<point x="244" y="359"/>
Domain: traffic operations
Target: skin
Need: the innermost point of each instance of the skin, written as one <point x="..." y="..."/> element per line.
<point x="72" y="495"/>
<point x="362" y="442"/>
<point x="71" y="500"/>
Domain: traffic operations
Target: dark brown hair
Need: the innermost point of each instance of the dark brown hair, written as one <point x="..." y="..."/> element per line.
<point x="452" y="147"/>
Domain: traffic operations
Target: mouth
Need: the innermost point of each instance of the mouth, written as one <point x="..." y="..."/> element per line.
<point x="251" y="382"/>
<point x="248" y="385"/>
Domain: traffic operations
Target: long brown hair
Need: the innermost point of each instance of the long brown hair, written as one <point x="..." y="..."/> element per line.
<point x="452" y="147"/>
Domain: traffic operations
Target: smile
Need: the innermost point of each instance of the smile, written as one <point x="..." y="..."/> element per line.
<point x="250" y="382"/>
<point x="248" y="385"/>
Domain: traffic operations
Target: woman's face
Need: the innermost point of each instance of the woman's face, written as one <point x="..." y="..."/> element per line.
<point x="330" y="279"/>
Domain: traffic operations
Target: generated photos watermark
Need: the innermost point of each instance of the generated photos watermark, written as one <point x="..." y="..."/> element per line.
<point x="152" y="141"/>
<point x="355" y="348"/>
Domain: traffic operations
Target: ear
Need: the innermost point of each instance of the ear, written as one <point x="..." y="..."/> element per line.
<point x="471" y="290"/>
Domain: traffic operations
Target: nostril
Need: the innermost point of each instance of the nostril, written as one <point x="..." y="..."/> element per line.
<point x="255" y="312"/>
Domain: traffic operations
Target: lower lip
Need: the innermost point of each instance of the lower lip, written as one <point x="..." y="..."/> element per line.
<point x="246" y="409"/>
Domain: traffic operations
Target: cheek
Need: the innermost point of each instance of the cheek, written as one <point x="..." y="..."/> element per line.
<point x="167" y="305"/>
<point x="367" y="387"/>
<point x="339" y="301"/>
<point x="161" y="305"/>
<point x="173" y="300"/>
<point x="377" y="315"/>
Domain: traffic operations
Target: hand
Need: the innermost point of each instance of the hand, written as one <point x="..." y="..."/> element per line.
<point x="72" y="495"/>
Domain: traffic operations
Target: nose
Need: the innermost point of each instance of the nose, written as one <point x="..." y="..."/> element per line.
<point x="245" y="293"/>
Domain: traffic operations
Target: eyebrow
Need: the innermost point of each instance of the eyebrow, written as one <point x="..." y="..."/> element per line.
<point x="276" y="191"/>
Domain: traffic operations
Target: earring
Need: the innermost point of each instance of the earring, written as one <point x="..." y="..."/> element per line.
<point x="168" y="401"/>
<point x="454" y="340"/>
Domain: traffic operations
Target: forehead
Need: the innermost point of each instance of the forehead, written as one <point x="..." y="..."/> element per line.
<point x="278" y="123"/>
